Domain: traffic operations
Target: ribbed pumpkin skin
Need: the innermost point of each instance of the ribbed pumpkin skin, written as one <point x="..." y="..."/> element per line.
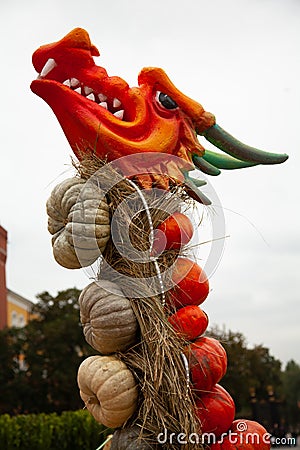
<point x="216" y="411"/>
<point x="208" y="363"/>
<point x="255" y="437"/>
<point x="108" y="390"/>
<point x="109" y="323"/>
<point x="80" y="225"/>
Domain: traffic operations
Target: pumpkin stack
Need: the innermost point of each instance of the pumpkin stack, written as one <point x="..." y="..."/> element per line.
<point x="81" y="229"/>
<point x="207" y="360"/>
<point x="107" y="386"/>
<point x="138" y="382"/>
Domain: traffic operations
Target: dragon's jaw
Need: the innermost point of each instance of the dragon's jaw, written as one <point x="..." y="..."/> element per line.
<point x="110" y="122"/>
<point x="104" y="114"/>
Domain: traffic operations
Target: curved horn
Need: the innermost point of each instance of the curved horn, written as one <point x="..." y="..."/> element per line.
<point x="195" y="181"/>
<point x="225" y="162"/>
<point x="224" y="141"/>
<point x="205" y="166"/>
<point x="194" y="192"/>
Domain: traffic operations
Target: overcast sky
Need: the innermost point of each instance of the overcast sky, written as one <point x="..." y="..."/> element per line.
<point x="241" y="60"/>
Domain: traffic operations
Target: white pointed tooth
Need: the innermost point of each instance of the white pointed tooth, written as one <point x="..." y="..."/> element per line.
<point x="78" y="90"/>
<point x="102" y="97"/>
<point x="103" y="104"/>
<point x="50" y="64"/>
<point x="67" y="83"/>
<point x="116" y="103"/>
<point x="87" y="90"/>
<point x="91" y="97"/>
<point x="119" y="114"/>
<point x="74" y="82"/>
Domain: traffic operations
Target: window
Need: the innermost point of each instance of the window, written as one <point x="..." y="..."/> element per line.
<point x="21" y="320"/>
<point x="14" y="319"/>
<point x="17" y="320"/>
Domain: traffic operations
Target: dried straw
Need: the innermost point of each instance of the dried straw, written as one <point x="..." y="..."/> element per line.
<point x="166" y="401"/>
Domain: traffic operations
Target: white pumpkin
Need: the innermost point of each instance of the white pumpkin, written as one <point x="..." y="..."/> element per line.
<point x="79" y="222"/>
<point x="108" y="390"/>
<point x="109" y="323"/>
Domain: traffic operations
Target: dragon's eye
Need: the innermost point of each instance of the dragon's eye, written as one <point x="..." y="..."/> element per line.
<point x="166" y="101"/>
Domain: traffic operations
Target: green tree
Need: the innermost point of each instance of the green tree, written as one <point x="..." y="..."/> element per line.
<point x="265" y="374"/>
<point x="43" y="364"/>
<point x="238" y="369"/>
<point x="249" y="369"/>
<point x="10" y="371"/>
<point x="291" y="393"/>
<point x="55" y="347"/>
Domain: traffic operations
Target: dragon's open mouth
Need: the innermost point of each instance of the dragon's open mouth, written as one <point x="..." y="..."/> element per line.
<point x="98" y="99"/>
<point x="114" y="105"/>
<point x="93" y="107"/>
<point x="99" y="96"/>
<point x="83" y="96"/>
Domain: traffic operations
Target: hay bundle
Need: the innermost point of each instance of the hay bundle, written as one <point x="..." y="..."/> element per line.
<point x="166" y="403"/>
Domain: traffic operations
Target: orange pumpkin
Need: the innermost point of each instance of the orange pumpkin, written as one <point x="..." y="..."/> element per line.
<point x="190" y="322"/>
<point x="208" y="363"/>
<point x="174" y="232"/>
<point x="244" y="435"/>
<point x="215" y="411"/>
<point x="191" y="284"/>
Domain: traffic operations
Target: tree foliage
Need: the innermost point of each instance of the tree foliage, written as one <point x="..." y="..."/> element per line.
<point x="249" y="369"/>
<point x="10" y="372"/>
<point x="42" y="358"/>
<point x="39" y="364"/>
<point x="291" y="389"/>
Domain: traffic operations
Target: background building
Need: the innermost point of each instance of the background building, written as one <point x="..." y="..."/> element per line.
<point x="15" y="310"/>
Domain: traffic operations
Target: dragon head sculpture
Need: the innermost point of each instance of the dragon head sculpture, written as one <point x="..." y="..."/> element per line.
<point x="103" y="113"/>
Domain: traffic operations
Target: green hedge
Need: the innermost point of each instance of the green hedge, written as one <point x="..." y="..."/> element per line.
<point x="74" y="430"/>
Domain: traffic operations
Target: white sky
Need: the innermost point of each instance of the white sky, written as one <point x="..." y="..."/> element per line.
<point x="241" y="60"/>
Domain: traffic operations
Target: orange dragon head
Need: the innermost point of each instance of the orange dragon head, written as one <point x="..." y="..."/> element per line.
<point x="103" y="113"/>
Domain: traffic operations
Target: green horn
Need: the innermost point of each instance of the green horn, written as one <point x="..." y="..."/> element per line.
<point x="205" y="166"/>
<point x="224" y="141"/>
<point x="225" y="161"/>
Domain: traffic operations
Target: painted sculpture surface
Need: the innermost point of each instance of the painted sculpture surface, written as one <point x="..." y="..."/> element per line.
<point x="103" y="113"/>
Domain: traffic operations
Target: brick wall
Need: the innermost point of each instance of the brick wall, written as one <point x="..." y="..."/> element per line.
<point x="3" y="289"/>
